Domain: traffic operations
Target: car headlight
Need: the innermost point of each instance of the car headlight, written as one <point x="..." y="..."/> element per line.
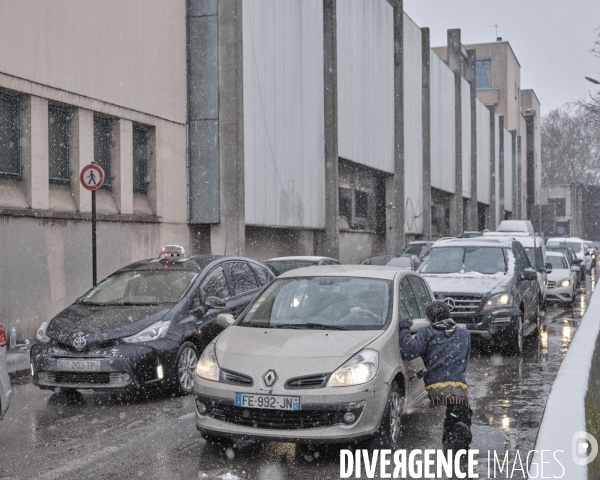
<point x="361" y="368"/>
<point x="564" y="283"/>
<point x="153" y="332"/>
<point x="207" y="366"/>
<point x="498" y="301"/>
<point x="41" y="333"/>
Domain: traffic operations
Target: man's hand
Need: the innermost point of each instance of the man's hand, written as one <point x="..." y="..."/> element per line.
<point x="405" y="323"/>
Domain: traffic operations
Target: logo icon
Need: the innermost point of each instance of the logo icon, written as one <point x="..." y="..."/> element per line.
<point x="450" y="302"/>
<point x="79" y="341"/>
<point x="580" y="449"/>
<point x="270" y="378"/>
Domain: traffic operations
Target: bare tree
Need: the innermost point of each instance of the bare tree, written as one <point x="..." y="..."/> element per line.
<point x="591" y="104"/>
<point x="570" y="147"/>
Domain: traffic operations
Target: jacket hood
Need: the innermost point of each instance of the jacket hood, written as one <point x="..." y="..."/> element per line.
<point x="291" y="353"/>
<point x="101" y="324"/>
<point x="467" y="283"/>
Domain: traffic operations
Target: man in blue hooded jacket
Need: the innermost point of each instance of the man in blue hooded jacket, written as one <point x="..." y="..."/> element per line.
<point x="445" y="349"/>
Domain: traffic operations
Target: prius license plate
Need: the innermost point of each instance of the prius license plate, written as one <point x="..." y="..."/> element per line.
<point x="272" y="402"/>
<point x="77" y="365"/>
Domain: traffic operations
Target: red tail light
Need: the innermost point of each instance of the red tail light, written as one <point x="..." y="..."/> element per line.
<point x="2" y="337"/>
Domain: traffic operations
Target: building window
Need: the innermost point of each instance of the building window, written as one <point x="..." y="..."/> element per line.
<point x="345" y="203"/>
<point x="10" y="134"/>
<point x="483" y="73"/>
<point x="58" y="144"/>
<point x="561" y="206"/>
<point x="141" y="152"/>
<point x="361" y="204"/>
<point x="103" y="128"/>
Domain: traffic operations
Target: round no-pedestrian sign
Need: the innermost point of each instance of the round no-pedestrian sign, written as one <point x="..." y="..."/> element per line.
<point x="91" y="177"/>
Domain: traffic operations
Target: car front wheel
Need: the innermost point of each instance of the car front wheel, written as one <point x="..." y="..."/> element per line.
<point x="187" y="359"/>
<point x="514" y="343"/>
<point x="390" y="430"/>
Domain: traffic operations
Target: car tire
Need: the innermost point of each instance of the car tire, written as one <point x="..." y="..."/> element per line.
<point x="514" y="342"/>
<point x="185" y="367"/>
<point x="390" y="429"/>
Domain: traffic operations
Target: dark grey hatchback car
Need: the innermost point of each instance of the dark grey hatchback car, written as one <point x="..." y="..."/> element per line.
<point x="146" y="324"/>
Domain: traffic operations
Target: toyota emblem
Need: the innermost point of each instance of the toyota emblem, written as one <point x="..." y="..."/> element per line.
<point x="79" y="341"/>
<point x="450" y="302"/>
<point x="270" y="378"/>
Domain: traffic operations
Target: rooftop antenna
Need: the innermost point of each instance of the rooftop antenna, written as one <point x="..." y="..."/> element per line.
<point x="495" y="25"/>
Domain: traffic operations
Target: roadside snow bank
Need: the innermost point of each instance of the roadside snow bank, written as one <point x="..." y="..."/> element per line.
<point x="575" y="392"/>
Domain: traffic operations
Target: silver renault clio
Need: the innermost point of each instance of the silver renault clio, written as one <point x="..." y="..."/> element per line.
<point x="315" y="358"/>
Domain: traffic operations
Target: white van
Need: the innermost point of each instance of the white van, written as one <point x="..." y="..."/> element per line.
<point x="536" y="252"/>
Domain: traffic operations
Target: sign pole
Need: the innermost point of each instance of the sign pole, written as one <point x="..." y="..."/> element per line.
<point x="92" y="178"/>
<point x="94" y="263"/>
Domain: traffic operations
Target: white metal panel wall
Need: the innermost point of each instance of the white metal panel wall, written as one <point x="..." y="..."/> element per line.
<point x="443" y="165"/>
<point x="365" y="61"/>
<point x="483" y="154"/>
<point x="284" y="113"/>
<point x="508" y="169"/>
<point x="497" y="165"/>
<point x="413" y="127"/>
<point x="466" y="137"/>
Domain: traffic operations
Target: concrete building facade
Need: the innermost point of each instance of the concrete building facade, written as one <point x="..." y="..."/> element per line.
<point x="255" y="127"/>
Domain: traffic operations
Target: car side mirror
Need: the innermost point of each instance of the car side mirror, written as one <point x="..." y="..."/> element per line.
<point x="548" y="267"/>
<point x="529" y="274"/>
<point x="224" y="320"/>
<point x="575" y="269"/>
<point x="214" y="302"/>
<point x="419" y="324"/>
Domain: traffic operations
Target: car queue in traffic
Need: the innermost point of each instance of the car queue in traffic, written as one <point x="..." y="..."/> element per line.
<point x="300" y="349"/>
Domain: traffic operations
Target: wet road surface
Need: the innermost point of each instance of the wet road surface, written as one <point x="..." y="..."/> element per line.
<point x="96" y="435"/>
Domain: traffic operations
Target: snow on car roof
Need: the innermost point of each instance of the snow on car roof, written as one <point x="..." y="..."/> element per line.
<point x="365" y="271"/>
<point x="550" y="253"/>
<point x="306" y="258"/>
<point x="474" y="242"/>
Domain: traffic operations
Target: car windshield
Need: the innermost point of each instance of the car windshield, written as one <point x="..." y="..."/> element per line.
<point x="576" y="246"/>
<point x="400" y="262"/>
<point x="416" y="249"/>
<point x="558" y="262"/>
<point x="530" y="251"/>
<point x="281" y="266"/>
<point x="148" y="287"/>
<point x="485" y="260"/>
<point x="337" y="303"/>
<point x="378" y="260"/>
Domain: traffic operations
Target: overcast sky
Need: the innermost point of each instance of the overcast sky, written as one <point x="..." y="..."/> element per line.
<point x="552" y="39"/>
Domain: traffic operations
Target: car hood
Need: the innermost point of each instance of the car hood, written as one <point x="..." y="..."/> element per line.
<point x="101" y="324"/>
<point x="467" y="284"/>
<point x="291" y="353"/>
<point x="559" y="274"/>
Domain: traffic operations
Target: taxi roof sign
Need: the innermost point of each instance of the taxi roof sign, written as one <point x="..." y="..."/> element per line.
<point x="172" y="253"/>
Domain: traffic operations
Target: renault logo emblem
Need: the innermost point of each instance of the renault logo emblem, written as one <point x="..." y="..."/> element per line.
<point x="450" y="302"/>
<point x="79" y="341"/>
<point x="270" y="378"/>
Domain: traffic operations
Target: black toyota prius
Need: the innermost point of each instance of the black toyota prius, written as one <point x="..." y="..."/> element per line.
<point x="146" y="324"/>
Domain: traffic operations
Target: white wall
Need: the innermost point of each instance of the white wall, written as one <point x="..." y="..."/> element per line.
<point x="413" y="127"/>
<point x="466" y="137"/>
<point x="130" y="53"/>
<point x="284" y="113"/>
<point x="443" y="165"/>
<point x="497" y="165"/>
<point x="483" y="153"/>
<point x="365" y="43"/>
<point x="508" y="169"/>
